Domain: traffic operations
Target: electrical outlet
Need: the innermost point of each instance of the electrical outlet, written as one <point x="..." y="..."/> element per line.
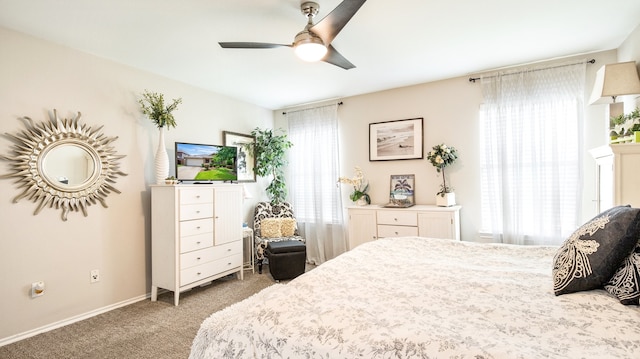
<point x="95" y="276"/>
<point x="37" y="289"/>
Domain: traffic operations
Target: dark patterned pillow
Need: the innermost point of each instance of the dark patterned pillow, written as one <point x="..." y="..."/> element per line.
<point x="592" y="254"/>
<point x="625" y="283"/>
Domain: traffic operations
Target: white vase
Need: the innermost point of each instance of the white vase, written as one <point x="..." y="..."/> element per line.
<point x="162" y="159"/>
<point x="361" y="202"/>
<point x="448" y="200"/>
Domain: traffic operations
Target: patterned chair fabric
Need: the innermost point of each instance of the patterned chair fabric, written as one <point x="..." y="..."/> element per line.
<point x="267" y="210"/>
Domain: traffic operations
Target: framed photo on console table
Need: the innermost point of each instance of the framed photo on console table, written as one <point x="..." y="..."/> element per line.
<point x="402" y="192"/>
<point x="246" y="159"/>
<point x="396" y="140"/>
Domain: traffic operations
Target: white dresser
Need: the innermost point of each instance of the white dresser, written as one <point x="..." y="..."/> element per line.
<point x="196" y="235"/>
<point x="368" y="223"/>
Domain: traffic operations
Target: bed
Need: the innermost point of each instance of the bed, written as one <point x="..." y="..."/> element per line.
<point x="414" y="297"/>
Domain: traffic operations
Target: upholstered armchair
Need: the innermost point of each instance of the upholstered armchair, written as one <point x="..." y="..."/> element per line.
<point x="273" y="223"/>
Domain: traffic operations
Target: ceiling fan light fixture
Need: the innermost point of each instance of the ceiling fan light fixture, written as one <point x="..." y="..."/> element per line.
<point x="309" y="47"/>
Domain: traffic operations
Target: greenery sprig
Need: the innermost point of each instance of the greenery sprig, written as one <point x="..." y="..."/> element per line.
<point x="152" y="104"/>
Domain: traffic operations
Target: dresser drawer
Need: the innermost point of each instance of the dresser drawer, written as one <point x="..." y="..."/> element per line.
<point x="196" y="195"/>
<point x="396" y="231"/>
<point x="202" y="271"/>
<point x="194" y="258"/>
<point x="195" y="211"/>
<point x="193" y="243"/>
<point x="195" y="227"/>
<point x="400" y="218"/>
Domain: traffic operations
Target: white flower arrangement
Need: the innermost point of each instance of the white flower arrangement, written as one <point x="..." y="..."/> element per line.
<point x="440" y="157"/>
<point x="360" y="186"/>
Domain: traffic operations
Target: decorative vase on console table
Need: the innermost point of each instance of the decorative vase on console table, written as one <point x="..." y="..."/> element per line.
<point x="162" y="159"/>
<point x="153" y="106"/>
<point x="446" y="199"/>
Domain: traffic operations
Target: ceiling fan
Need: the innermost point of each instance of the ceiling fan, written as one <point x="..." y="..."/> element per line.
<point x="314" y="42"/>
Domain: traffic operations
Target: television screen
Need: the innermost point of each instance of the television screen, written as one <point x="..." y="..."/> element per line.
<point x="206" y="163"/>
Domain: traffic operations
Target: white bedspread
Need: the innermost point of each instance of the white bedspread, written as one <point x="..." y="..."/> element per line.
<point x="424" y="298"/>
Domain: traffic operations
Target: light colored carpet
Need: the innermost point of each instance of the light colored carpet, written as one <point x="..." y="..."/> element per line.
<point x="141" y="330"/>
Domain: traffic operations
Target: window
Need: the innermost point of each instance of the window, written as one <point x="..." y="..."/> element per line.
<point x="313" y="172"/>
<point x="531" y="154"/>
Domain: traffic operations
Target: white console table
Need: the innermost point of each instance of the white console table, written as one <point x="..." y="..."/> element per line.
<point x="368" y="223"/>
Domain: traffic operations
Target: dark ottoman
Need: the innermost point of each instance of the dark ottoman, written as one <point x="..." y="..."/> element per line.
<point x="287" y="259"/>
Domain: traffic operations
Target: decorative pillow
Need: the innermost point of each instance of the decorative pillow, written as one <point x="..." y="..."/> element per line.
<point x="288" y="227"/>
<point x="270" y="228"/>
<point x="625" y="283"/>
<point x="592" y="254"/>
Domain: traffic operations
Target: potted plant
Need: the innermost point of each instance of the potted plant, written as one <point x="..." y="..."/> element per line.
<point x="359" y="195"/>
<point x="153" y="106"/>
<point x="269" y="152"/>
<point x="440" y="157"/>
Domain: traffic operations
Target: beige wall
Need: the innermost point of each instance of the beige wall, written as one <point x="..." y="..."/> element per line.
<point x="630" y="51"/>
<point x="450" y="109"/>
<point x="36" y="77"/>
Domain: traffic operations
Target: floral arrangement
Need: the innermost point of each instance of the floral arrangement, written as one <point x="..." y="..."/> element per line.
<point x="440" y="157"/>
<point x="360" y="186"/>
<point x="152" y="104"/>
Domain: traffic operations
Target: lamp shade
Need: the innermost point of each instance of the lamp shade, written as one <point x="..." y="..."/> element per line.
<point x="615" y="80"/>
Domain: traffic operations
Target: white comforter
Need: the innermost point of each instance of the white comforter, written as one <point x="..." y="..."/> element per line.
<point x="424" y="298"/>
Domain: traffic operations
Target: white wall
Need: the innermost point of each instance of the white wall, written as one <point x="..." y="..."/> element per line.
<point x="37" y="77"/>
<point x="450" y="109"/>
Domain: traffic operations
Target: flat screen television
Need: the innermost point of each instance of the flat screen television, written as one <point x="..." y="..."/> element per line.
<point x="197" y="162"/>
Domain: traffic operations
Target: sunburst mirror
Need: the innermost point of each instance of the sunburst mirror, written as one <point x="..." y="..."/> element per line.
<point x="63" y="164"/>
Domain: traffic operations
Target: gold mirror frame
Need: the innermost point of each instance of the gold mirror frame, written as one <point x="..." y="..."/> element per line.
<point x="29" y="154"/>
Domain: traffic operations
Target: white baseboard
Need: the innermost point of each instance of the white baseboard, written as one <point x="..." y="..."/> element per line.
<point x="77" y="318"/>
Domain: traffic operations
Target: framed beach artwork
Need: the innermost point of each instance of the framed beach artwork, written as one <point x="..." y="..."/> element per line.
<point x="246" y="160"/>
<point x="396" y="140"/>
<point x="402" y="191"/>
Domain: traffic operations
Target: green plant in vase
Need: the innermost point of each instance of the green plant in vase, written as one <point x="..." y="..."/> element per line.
<point x="360" y="186"/>
<point x="442" y="156"/>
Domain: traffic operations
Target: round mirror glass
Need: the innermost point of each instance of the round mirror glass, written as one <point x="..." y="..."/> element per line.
<point x="68" y="165"/>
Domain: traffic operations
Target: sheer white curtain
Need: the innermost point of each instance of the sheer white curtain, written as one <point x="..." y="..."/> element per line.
<point x="313" y="173"/>
<point x="531" y="153"/>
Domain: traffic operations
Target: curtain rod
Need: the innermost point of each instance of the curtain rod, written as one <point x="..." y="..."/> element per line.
<point x="592" y="61"/>
<point x="302" y="109"/>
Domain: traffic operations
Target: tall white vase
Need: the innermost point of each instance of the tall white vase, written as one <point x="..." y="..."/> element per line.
<point x="162" y="159"/>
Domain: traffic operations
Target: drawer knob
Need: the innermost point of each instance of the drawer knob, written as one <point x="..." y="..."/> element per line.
<point x="198" y="196"/>
<point x="197" y="211"/>
<point x="198" y="258"/>
<point x="395" y="219"/>
<point x="228" y="249"/>
<point x="198" y="242"/>
<point x="198" y="227"/>
<point x="199" y="273"/>
<point x="396" y="233"/>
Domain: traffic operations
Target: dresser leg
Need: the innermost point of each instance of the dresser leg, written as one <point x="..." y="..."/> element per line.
<point x="176" y="297"/>
<point x="154" y="293"/>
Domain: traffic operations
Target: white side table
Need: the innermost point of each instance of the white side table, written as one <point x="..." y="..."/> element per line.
<point x="249" y="248"/>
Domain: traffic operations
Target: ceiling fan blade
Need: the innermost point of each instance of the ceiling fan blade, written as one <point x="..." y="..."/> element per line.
<point x="333" y="57"/>
<point x="250" y="45"/>
<point x="329" y="27"/>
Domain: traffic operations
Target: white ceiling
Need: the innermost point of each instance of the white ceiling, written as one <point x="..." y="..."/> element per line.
<point x="392" y="43"/>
